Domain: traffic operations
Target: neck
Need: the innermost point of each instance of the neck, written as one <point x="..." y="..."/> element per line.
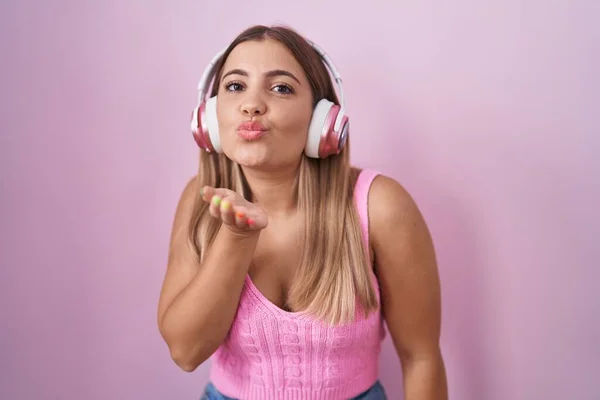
<point x="274" y="191"/>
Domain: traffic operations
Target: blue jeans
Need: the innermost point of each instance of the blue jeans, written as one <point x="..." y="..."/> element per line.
<point x="375" y="392"/>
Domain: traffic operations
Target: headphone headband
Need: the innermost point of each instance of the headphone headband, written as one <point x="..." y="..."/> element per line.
<point x="205" y="79"/>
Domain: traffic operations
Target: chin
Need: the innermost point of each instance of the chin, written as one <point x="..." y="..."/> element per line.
<point x="248" y="157"/>
<point x="255" y="164"/>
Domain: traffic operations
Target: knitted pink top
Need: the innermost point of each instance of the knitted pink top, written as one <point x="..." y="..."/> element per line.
<point x="273" y="354"/>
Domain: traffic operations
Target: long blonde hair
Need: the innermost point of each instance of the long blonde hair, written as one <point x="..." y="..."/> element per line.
<point x="334" y="274"/>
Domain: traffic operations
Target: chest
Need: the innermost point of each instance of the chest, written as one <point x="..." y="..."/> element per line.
<point x="276" y="259"/>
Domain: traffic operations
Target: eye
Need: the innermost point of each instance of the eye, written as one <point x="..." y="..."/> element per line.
<point x="234" y="87"/>
<point x="283" y="89"/>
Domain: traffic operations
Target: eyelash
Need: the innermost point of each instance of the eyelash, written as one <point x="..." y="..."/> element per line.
<point x="287" y="88"/>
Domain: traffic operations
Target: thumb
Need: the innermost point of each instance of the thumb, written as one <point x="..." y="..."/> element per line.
<point x="207" y="192"/>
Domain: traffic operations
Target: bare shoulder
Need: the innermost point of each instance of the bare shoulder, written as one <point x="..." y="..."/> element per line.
<point x="186" y="201"/>
<point x="190" y="190"/>
<point x="182" y="218"/>
<point x="392" y="209"/>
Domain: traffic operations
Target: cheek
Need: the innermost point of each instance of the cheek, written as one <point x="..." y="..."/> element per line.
<point x="224" y="114"/>
<point x="228" y="121"/>
<point x="294" y="121"/>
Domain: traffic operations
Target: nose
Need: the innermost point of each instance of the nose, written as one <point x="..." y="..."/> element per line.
<point x="253" y="105"/>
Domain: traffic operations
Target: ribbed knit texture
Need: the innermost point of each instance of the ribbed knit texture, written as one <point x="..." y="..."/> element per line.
<point x="272" y="354"/>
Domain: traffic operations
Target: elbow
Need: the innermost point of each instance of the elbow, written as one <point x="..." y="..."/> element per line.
<point x="429" y="354"/>
<point x="186" y="365"/>
<point x="186" y="359"/>
<point x="182" y="353"/>
<point x="187" y="354"/>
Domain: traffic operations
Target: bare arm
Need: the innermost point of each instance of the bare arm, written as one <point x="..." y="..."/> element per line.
<point x="407" y="270"/>
<point x="198" y="302"/>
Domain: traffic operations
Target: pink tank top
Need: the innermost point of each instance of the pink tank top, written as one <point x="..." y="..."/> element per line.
<point x="272" y="354"/>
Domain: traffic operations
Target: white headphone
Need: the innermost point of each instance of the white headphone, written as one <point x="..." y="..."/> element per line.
<point x="327" y="132"/>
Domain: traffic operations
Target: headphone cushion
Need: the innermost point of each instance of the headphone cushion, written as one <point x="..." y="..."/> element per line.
<point x="212" y="124"/>
<point x="317" y="131"/>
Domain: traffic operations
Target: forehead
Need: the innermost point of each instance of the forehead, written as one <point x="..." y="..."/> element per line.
<point x="261" y="56"/>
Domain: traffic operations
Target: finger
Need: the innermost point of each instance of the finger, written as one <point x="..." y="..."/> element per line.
<point x="215" y="206"/>
<point x="241" y="219"/>
<point x="224" y="192"/>
<point x="207" y="192"/>
<point x="227" y="211"/>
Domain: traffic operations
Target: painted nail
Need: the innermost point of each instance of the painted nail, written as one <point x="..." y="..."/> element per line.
<point x="239" y="214"/>
<point x="250" y="222"/>
<point x="216" y="200"/>
<point x="202" y="192"/>
<point x="225" y="205"/>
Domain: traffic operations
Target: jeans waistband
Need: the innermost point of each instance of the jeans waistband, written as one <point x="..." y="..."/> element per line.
<point x="375" y="392"/>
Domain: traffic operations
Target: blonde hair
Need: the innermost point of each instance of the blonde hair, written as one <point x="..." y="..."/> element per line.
<point x="334" y="275"/>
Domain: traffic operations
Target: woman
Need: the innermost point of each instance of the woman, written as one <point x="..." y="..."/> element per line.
<point x="285" y="261"/>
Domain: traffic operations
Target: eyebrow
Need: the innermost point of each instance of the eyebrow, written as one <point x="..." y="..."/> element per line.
<point x="269" y="74"/>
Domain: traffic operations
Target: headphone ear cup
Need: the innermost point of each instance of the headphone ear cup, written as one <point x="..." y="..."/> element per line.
<point x="205" y="126"/>
<point x="317" y="128"/>
<point x="197" y="127"/>
<point x="212" y="124"/>
<point x="323" y="139"/>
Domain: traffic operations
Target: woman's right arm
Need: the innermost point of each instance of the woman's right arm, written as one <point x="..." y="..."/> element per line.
<point x="198" y="302"/>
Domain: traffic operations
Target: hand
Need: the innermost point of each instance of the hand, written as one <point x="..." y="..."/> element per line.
<point x="237" y="213"/>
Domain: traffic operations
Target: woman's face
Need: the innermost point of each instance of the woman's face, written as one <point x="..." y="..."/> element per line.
<point x="264" y="87"/>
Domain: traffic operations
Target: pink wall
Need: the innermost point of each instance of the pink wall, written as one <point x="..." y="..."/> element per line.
<point x="487" y="111"/>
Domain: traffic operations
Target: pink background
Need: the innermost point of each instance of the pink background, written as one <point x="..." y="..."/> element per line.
<point x="487" y="111"/>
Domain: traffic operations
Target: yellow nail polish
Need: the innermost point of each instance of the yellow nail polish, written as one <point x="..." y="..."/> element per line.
<point x="216" y="200"/>
<point x="225" y="205"/>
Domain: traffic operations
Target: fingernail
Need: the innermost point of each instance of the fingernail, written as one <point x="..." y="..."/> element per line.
<point x="250" y="222"/>
<point x="201" y="192"/>
<point x="216" y="200"/>
<point x="239" y="214"/>
<point x="225" y="205"/>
